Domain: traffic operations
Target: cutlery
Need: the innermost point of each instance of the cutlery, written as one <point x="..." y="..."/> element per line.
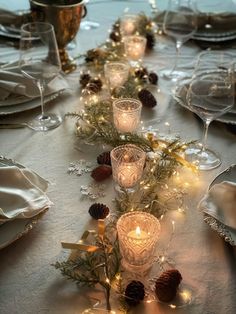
<point x="15" y="125"/>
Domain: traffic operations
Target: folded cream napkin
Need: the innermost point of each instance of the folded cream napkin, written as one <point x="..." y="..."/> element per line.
<point x="13" y="18"/>
<point x="220" y="203"/>
<point x="13" y="84"/>
<point x="22" y="193"/>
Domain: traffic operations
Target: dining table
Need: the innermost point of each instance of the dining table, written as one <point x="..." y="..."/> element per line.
<point x="28" y="281"/>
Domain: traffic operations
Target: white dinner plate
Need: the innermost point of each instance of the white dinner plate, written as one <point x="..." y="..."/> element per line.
<point x="6" y="110"/>
<point x="15" y="229"/>
<point x="180" y="97"/>
<point x="224" y="231"/>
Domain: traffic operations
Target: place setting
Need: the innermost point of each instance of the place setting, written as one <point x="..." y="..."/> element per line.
<point x="23" y="200"/>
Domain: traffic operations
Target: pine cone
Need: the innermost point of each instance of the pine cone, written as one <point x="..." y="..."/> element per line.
<point x="141" y="73"/>
<point x="92" y="87"/>
<point x="101" y="173"/>
<point x="92" y="54"/>
<point x="167" y="285"/>
<point x="97" y="82"/>
<point x="104" y="159"/>
<point x="84" y="79"/>
<point x="150" y="40"/>
<point x="98" y="211"/>
<point x="134" y="293"/>
<point x="153" y="78"/>
<point x="115" y="36"/>
<point x="147" y="99"/>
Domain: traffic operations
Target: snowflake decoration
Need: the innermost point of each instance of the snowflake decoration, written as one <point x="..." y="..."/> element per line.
<point x="80" y="167"/>
<point x="93" y="190"/>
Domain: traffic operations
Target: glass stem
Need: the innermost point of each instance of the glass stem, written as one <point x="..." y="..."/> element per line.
<point x="41" y="91"/>
<point x="177" y="46"/>
<point x="205" y="132"/>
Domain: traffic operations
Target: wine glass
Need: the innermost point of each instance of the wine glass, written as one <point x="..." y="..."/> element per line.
<point x="40" y="62"/>
<point x="210" y="95"/>
<point x="180" y="23"/>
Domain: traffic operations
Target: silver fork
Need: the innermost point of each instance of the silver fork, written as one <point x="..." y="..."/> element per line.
<point x="15" y="125"/>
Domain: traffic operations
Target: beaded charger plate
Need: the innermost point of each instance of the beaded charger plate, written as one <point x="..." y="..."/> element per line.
<point x="15" y="229"/>
<point x="180" y="98"/>
<point x="224" y="231"/>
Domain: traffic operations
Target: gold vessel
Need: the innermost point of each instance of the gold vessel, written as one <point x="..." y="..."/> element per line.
<point x="65" y="16"/>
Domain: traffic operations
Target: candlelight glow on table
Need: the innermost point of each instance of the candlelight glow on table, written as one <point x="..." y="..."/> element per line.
<point x="127" y="165"/>
<point x="135" y="48"/>
<point x="128" y="24"/>
<point x="116" y="74"/>
<point x="138" y="234"/>
<point x="126" y="114"/>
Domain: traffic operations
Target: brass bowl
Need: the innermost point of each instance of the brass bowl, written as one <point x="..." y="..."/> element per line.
<point x="66" y="20"/>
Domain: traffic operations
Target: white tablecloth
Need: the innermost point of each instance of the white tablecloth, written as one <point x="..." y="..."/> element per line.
<point x="28" y="284"/>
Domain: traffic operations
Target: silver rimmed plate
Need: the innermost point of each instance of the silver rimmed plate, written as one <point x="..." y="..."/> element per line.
<point x="180" y="98"/>
<point x="229" y="234"/>
<point x="215" y="37"/>
<point x="15" y="229"/>
<point x="6" y="110"/>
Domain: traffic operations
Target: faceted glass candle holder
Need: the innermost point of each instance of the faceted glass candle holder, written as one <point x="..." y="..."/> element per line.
<point x="138" y="233"/>
<point x="135" y="48"/>
<point x="116" y="74"/>
<point x="128" y="24"/>
<point x="126" y="114"/>
<point x="127" y="165"/>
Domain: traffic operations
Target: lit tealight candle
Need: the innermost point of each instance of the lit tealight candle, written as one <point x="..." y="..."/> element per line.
<point x="128" y="25"/>
<point x="126" y="114"/>
<point x="135" y="48"/>
<point x="116" y="73"/>
<point x="138" y="233"/>
<point x="127" y="165"/>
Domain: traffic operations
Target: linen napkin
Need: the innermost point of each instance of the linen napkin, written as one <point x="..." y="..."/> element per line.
<point x="220" y="203"/>
<point x="22" y="193"/>
<point x="12" y="18"/>
<point x="13" y="84"/>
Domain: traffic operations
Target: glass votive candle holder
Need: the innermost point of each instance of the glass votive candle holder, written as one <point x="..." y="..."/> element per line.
<point x="138" y="233"/>
<point x="134" y="49"/>
<point x="128" y="24"/>
<point x="127" y="163"/>
<point x="116" y="74"/>
<point x="126" y="114"/>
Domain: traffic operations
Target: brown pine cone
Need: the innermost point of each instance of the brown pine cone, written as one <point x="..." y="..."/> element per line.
<point x="167" y="285"/>
<point x="84" y="79"/>
<point x="97" y="82"/>
<point x="98" y="211"/>
<point x="150" y="40"/>
<point x="104" y="159"/>
<point x="141" y="73"/>
<point x="134" y="293"/>
<point x="115" y="36"/>
<point x="101" y="173"/>
<point x="153" y="78"/>
<point x="147" y="99"/>
<point x="92" y="87"/>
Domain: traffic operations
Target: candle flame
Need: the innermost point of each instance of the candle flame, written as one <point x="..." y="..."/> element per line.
<point x="138" y="231"/>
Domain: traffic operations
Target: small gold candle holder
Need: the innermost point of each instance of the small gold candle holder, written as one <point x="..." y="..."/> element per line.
<point x="126" y="114"/>
<point x="116" y="74"/>
<point x="134" y="49"/>
<point x="127" y="165"/>
<point x="128" y="25"/>
<point x="138" y="233"/>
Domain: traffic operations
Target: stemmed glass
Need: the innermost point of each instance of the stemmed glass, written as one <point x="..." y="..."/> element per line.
<point x="210" y="95"/>
<point x="40" y="62"/>
<point x="180" y="23"/>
